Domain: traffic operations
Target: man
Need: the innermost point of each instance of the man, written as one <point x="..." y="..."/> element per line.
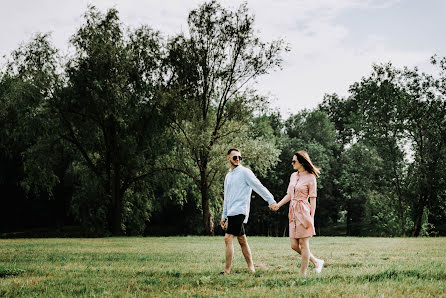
<point x="239" y="183"/>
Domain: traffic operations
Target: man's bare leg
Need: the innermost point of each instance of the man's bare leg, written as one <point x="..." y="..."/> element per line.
<point x="229" y="252"/>
<point x="243" y="241"/>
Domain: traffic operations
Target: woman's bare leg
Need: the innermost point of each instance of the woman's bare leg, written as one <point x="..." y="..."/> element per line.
<point x="305" y="252"/>
<point x="296" y="247"/>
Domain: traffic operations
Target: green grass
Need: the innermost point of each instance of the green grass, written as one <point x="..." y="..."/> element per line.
<point x="189" y="266"/>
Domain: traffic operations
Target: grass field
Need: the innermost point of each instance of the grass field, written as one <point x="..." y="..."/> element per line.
<point x="189" y="266"/>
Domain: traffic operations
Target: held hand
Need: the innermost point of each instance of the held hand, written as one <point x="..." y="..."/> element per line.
<point x="223" y="224"/>
<point x="274" y="207"/>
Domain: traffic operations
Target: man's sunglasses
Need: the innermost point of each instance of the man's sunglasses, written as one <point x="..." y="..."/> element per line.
<point x="235" y="158"/>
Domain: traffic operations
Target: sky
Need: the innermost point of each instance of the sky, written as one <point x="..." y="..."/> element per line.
<point x="334" y="43"/>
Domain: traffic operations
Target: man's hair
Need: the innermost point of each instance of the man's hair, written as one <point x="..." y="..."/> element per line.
<point x="233" y="149"/>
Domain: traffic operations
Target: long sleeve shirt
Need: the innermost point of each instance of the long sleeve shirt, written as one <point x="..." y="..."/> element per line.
<point x="238" y="187"/>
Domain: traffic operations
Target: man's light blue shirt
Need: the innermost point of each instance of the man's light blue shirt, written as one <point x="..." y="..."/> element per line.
<point x="239" y="184"/>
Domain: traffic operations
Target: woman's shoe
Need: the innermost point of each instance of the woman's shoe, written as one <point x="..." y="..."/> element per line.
<point x="320" y="264"/>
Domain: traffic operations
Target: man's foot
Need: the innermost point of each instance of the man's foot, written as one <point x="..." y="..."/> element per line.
<point x="320" y="264"/>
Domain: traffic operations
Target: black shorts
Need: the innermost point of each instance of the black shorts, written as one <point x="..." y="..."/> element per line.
<point x="235" y="225"/>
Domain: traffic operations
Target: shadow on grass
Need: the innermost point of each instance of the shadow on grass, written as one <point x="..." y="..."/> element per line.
<point x="401" y="274"/>
<point x="390" y="274"/>
<point x="284" y="279"/>
<point x="344" y="265"/>
<point x="5" y="272"/>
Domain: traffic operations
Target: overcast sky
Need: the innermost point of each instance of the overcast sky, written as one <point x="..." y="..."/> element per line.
<point x="333" y="42"/>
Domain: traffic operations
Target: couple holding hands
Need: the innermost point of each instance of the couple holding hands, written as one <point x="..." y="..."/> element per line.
<point x="238" y="186"/>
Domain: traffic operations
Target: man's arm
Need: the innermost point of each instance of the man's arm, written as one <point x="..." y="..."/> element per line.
<point x="257" y="186"/>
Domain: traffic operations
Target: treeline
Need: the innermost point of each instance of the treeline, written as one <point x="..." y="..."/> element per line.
<point x="127" y="135"/>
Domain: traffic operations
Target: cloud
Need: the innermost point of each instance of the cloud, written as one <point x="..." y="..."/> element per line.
<point x="327" y="54"/>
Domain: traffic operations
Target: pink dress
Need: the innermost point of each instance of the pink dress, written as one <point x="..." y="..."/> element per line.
<point x="302" y="186"/>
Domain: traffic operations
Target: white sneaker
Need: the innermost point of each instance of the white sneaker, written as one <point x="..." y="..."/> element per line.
<point x="320" y="264"/>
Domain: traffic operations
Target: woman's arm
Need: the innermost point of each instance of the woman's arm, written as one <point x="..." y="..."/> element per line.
<point x="313" y="206"/>
<point x="285" y="200"/>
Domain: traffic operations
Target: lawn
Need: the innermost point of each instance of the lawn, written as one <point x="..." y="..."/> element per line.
<point x="189" y="266"/>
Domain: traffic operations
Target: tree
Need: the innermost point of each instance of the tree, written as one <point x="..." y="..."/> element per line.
<point x="111" y="111"/>
<point x="342" y="113"/>
<point x="35" y="183"/>
<point x="211" y="70"/>
<point x="379" y="100"/>
<point x="29" y="81"/>
<point x="425" y="114"/>
<point x="357" y="180"/>
<point x="400" y="113"/>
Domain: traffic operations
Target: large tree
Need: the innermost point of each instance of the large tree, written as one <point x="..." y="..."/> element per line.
<point x="28" y="136"/>
<point x="111" y="112"/>
<point x="26" y="86"/>
<point x="425" y="118"/>
<point x="400" y="113"/>
<point x="378" y="100"/>
<point x="212" y="69"/>
<point x="358" y="178"/>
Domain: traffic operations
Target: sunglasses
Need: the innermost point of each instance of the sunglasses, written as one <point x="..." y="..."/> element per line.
<point x="293" y="161"/>
<point x="235" y="158"/>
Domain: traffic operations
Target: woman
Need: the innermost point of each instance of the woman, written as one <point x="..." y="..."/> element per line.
<point x="302" y="186"/>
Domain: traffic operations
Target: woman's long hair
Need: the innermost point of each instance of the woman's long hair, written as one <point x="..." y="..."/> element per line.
<point x="305" y="161"/>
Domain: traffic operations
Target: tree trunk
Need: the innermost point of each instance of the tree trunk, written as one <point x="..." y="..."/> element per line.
<point x="418" y="218"/>
<point x="117" y="204"/>
<point x="400" y="198"/>
<point x="207" y="218"/>
<point x="400" y="205"/>
<point x="348" y="219"/>
<point x="402" y="216"/>
<point x="355" y="214"/>
<point x="417" y="225"/>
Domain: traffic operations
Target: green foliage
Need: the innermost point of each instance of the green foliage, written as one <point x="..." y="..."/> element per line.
<point x="342" y="114"/>
<point x="138" y="208"/>
<point x="133" y="128"/>
<point x="380" y="215"/>
<point x="89" y="204"/>
<point x="399" y="113"/>
<point x="211" y="70"/>
<point x="112" y="114"/>
<point x="26" y="127"/>
<point x="312" y="127"/>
